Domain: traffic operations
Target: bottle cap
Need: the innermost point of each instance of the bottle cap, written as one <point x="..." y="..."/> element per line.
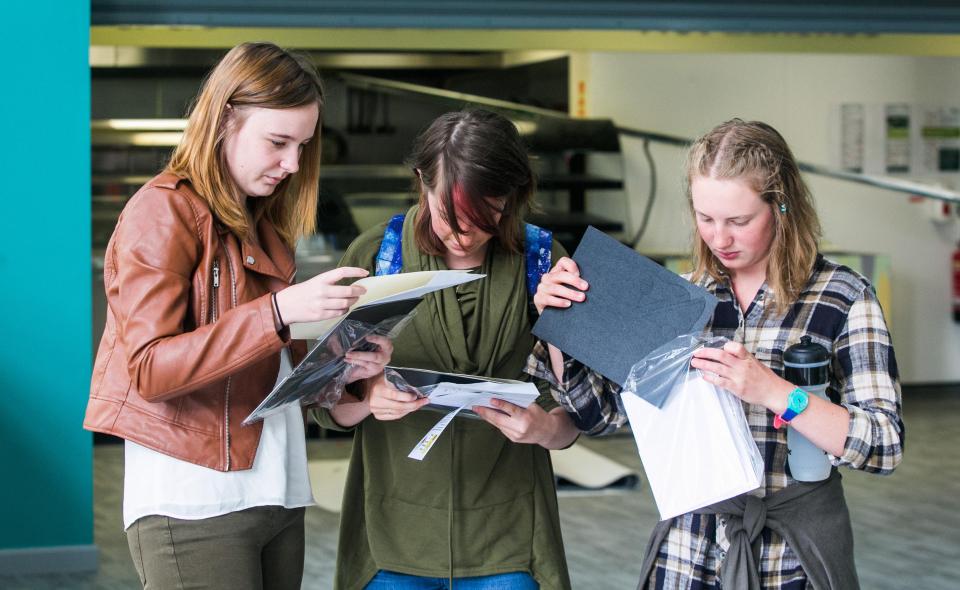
<point x="806" y="353"/>
<point x="806" y="363"/>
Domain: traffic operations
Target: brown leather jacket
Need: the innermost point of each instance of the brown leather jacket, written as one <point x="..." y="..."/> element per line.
<point x="190" y="346"/>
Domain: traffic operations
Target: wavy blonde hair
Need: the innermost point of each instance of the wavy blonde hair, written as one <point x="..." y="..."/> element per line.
<point x="756" y="153"/>
<point x="252" y="75"/>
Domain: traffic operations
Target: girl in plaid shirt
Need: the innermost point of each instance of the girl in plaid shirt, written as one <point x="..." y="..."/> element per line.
<point x="756" y="251"/>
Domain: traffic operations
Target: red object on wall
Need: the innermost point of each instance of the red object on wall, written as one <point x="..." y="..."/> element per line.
<point x="956" y="284"/>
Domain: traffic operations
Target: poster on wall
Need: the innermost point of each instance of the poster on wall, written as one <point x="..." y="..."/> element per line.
<point x="897" y="138"/>
<point x="939" y="139"/>
<point x="918" y="140"/>
<point x="851" y="136"/>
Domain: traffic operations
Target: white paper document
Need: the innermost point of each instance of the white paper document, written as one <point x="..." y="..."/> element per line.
<point x="697" y="449"/>
<point x="463" y="396"/>
<point x="454" y="390"/>
<point x="461" y="392"/>
<point x="385" y="289"/>
<point x="479" y="394"/>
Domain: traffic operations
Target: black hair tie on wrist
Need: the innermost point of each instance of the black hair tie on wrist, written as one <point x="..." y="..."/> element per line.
<point x="276" y="307"/>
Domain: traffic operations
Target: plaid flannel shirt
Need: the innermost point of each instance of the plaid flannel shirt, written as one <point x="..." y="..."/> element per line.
<point x="837" y="309"/>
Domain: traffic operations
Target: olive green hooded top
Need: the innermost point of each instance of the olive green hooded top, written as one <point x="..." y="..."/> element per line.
<point x="478" y="504"/>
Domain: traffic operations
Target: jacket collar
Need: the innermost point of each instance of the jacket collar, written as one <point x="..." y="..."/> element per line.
<point x="272" y="257"/>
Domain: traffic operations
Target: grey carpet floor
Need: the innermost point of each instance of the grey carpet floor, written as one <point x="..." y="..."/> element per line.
<point x="906" y="526"/>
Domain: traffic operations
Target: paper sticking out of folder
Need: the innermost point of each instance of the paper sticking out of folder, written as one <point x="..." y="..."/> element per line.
<point x="452" y="390"/>
<point x="387" y="289"/>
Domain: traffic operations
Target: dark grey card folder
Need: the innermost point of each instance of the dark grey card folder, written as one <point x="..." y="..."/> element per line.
<point x="633" y="306"/>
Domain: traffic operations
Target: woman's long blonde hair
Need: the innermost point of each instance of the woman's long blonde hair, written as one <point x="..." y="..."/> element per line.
<point x="252" y="75"/>
<point x="756" y="153"/>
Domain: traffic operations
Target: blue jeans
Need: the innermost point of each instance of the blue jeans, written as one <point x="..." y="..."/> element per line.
<point x="385" y="580"/>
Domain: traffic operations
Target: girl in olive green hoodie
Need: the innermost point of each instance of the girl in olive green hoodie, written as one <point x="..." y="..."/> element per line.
<point x="481" y="508"/>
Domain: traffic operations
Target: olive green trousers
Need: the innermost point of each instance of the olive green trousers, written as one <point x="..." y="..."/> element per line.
<point x="254" y="549"/>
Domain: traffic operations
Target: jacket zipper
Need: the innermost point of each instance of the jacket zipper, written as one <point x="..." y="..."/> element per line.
<point x="213" y="318"/>
<point x="216" y="285"/>
<point x="226" y="403"/>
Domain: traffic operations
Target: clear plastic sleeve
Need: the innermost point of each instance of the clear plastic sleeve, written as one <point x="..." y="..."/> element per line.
<point x="395" y="379"/>
<point x="322" y="375"/>
<point x="693" y="437"/>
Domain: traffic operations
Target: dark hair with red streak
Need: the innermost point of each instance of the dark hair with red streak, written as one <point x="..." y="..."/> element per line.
<point x="477" y="165"/>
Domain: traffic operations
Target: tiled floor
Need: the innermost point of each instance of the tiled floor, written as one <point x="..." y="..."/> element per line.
<point x="906" y="526"/>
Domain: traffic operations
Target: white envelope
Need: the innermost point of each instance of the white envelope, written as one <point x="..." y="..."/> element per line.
<point x="697" y="449"/>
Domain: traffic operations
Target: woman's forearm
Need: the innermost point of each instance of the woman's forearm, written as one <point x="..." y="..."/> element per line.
<point x="564" y="432"/>
<point x="556" y="362"/>
<point x="350" y="411"/>
<point x="823" y="423"/>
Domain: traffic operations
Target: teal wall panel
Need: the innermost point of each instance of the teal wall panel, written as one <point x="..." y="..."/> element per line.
<point x="46" y="496"/>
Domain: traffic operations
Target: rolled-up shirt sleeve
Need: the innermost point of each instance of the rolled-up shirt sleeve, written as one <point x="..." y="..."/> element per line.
<point x="592" y="401"/>
<point x="869" y="387"/>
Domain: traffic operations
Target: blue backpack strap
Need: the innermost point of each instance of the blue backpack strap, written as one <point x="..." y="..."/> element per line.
<point x="390" y="256"/>
<point x="538" y="246"/>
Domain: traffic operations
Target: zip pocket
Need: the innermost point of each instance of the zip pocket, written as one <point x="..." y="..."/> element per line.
<point x="216" y="287"/>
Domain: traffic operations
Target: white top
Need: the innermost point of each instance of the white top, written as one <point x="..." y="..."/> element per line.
<point x="157" y="484"/>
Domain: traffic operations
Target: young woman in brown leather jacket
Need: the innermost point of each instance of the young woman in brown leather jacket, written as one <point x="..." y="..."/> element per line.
<point x="198" y="275"/>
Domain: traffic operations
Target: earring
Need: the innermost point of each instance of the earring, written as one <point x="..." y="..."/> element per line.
<point x="783" y="207"/>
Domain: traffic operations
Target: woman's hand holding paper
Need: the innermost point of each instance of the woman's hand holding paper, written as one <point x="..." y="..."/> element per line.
<point x="320" y="298"/>
<point x="389" y="403"/>
<point x="371" y="363"/>
<point x="561" y="286"/>
<point x="736" y="370"/>
<point x="531" y="425"/>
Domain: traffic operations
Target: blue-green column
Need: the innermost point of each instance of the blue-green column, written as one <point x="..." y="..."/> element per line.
<point x="46" y="495"/>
